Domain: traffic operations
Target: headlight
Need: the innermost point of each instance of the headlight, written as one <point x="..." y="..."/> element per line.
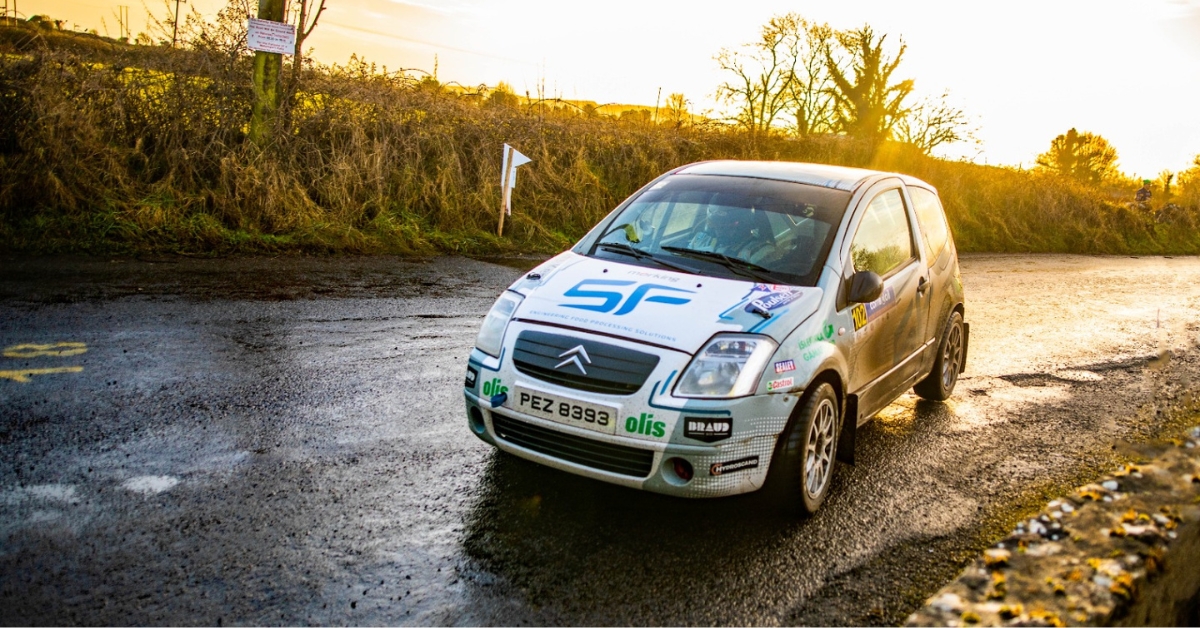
<point x="491" y="335"/>
<point x="728" y="366"/>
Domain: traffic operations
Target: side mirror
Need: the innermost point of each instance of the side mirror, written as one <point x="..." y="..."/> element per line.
<point x="865" y="286"/>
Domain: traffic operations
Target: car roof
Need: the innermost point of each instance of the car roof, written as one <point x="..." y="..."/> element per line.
<point x="824" y="175"/>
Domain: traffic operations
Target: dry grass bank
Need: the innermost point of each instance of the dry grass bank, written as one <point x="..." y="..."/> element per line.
<point x="109" y="148"/>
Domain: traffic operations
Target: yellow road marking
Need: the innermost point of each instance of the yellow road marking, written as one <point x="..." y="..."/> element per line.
<point x="57" y="349"/>
<point x="23" y="375"/>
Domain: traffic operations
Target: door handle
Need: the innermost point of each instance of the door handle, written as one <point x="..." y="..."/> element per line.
<point x="922" y="285"/>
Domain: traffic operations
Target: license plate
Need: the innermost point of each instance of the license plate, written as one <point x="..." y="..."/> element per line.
<point x="590" y="416"/>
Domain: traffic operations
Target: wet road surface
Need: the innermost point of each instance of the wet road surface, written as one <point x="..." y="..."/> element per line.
<point x="284" y="442"/>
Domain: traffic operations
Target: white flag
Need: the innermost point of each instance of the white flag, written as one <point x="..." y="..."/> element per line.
<point x="511" y="164"/>
<point x="508" y="174"/>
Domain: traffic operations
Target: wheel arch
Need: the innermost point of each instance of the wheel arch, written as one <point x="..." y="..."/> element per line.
<point x="827" y="375"/>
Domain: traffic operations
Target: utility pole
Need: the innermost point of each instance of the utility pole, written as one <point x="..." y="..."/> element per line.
<point x="267" y="68"/>
<point x="175" y="25"/>
<point x="123" y="21"/>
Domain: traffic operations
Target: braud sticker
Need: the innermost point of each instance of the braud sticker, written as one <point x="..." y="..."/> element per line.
<point x="785" y="366"/>
<point x="781" y="384"/>
<point x="707" y="430"/>
<point x="741" y="464"/>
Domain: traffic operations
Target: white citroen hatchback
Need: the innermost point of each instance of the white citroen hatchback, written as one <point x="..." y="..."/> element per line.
<point x="727" y="327"/>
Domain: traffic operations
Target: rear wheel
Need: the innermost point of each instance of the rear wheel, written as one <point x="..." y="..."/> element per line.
<point x="803" y="467"/>
<point x="939" y="384"/>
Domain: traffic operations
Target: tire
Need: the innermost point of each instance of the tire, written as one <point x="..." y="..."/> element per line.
<point x="802" y="471"/>
<point x="939" y="384"/>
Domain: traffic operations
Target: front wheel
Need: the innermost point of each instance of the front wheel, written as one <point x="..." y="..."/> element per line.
<point x="803" y="468"/>
<point x="939" y="384"/>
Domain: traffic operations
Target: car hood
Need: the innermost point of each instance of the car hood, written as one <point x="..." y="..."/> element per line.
<point x="660" y="307"/>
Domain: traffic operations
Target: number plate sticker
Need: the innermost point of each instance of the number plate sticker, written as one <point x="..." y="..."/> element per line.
<point x="589" y="416"/>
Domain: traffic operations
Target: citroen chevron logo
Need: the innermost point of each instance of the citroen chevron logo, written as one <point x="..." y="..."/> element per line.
<point x="574" y="359"/>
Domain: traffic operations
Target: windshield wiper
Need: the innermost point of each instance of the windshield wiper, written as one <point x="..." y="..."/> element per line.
<point x="737" y="265"/>
<point x="621" y="247"/>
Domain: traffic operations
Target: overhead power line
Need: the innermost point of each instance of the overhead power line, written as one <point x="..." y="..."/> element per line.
<point x="432" y="44"/>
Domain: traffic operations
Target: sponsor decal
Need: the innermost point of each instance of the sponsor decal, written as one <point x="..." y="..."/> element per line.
<point x="610" y="325"/>
<point x="472" y="375"/>
<point x="774" y="300"/>
<point x="825" y="334"/>
<point x="619" y="301"/>
<point x="882" y="304"/>
<point x="706" y="429"/>
<point x="809" y="344"/>
<point x="770" y="287"/>
<point x="785" y="366"/>
<point x="645" y="425"/>
<point x="494" y="387"/>
<point x="864" y="314"/>
<point x="652" y="275"/>
<point x="781" y="384"/>
<point x="741" y="464"/>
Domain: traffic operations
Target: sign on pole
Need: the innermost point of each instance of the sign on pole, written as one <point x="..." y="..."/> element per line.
<point x="508" y="180"/>
<point x="269" y="36"/>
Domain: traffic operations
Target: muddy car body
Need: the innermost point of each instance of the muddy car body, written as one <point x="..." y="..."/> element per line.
<point x="725" y="328"/>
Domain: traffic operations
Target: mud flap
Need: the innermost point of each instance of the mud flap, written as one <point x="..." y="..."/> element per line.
<point x="966" y="343"/>
<point x="845" y="442"/>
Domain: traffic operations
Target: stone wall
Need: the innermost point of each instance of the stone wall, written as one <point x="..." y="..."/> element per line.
<point x="1123" y="551"/>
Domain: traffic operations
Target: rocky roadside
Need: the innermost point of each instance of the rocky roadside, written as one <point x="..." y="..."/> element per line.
<point x="1123" y="551"/>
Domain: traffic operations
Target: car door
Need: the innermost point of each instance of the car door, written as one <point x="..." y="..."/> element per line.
<point x="939" y="259"/>
<point x="888" y="332"/>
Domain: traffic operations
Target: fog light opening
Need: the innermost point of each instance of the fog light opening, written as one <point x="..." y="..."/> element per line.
<point x="682" y="469"/>
<point x="475" y="419"/>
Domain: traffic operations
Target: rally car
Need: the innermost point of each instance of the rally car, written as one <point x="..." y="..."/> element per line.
<point x="727" y="327"/>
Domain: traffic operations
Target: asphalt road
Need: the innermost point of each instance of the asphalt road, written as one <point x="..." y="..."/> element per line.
<point x="284" y="442"/>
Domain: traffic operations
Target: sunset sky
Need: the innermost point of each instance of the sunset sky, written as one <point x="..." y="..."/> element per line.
<point x="1026" y="70"/>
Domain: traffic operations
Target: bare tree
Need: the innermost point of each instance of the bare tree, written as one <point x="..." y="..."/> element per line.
<point x="762" y="72"/>
<point x="306" y="21"/>
<point x="867" y="104"/>
<point x="677" y="110"/>
<point x="933" y="122"/>
<point x="809" y="99"/>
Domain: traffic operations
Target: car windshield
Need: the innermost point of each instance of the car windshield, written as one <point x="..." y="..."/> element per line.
<point x="737" y="227"/>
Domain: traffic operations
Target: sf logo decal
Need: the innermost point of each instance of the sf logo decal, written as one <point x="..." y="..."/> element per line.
<point x="609" y="300"/>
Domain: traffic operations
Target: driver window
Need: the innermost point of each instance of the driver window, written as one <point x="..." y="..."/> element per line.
<point x="883" y="242"/>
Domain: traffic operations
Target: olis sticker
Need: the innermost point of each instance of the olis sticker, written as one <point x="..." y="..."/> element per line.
<point x="645" y="425"/>
<point x="494" y="387"/>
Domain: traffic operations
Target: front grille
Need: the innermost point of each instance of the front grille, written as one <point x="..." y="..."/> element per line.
<point x="604" y="456"/>
<point x="609" y="369"/>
